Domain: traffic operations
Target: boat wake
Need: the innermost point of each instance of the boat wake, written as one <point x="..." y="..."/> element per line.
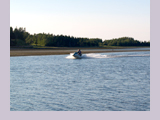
<point x="94" y="56"/>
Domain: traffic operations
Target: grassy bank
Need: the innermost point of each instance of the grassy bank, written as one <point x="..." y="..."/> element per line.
<point x="70" y="48"/>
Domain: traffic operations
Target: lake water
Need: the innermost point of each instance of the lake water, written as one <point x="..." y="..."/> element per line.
<point x="98" y="82"/>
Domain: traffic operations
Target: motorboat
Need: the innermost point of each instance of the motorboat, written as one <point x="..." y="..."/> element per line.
<point x="76" y="55"/>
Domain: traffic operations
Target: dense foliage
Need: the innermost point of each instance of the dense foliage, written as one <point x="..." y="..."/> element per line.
<point x="19" y="37"/>
<point x="125" y="41"/>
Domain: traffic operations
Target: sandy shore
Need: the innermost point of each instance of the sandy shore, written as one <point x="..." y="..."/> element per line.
<point x="61" y="51"/>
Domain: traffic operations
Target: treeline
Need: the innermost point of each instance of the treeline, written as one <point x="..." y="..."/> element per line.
<point x="61" y="40"/>
<point x="19" y="37"/>
<point x="125" y="41"/>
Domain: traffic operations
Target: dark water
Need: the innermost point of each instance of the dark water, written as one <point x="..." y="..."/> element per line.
<point x="98" y="82"/>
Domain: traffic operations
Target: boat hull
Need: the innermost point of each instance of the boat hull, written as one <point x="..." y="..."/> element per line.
<point x="77" y="56"/>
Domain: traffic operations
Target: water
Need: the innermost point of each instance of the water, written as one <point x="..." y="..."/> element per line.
<point x="98" y="82"/>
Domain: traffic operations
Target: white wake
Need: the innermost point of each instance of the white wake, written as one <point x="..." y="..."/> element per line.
<point x="95" y="55"/>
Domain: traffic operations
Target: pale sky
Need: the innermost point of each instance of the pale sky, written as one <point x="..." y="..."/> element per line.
<point x="105" y="19"/>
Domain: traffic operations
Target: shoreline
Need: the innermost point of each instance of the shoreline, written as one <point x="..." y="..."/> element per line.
<point x="62" y="51"/>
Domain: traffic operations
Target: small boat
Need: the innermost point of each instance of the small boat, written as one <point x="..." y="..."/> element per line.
<point x="76" y="55"/>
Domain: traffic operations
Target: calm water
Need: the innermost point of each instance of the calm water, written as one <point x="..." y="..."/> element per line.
<point x="98" y="82"/>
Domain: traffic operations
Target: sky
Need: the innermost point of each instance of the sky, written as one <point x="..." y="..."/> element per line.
<point x="104" y="19"/>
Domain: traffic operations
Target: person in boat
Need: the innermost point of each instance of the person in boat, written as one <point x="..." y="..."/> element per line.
<point x="79" y="52"/>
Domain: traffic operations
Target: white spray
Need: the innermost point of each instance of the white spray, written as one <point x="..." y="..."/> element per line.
<point x="95" y="55"/>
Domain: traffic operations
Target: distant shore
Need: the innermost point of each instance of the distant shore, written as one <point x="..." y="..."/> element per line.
<point x="68" y="50"/>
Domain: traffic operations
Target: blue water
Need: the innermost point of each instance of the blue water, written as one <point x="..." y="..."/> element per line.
<point x="98" y="82"/>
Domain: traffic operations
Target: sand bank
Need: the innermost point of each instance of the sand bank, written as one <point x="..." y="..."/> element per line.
<point x="61" y="51"/>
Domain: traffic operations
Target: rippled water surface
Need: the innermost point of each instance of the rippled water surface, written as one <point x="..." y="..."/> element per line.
<point x="97" y="82"/>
